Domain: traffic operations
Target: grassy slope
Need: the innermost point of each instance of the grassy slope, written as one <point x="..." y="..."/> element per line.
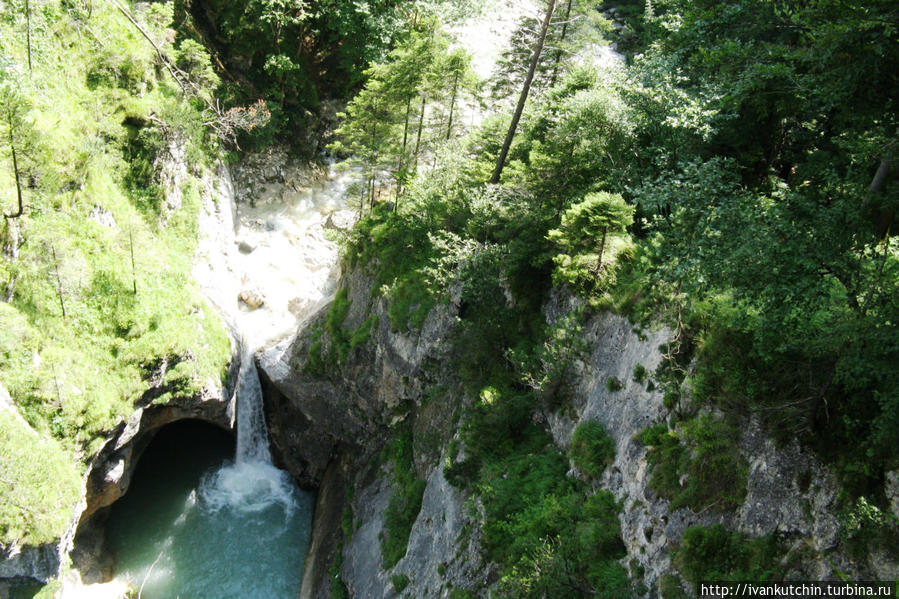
<point x="74" y="378"/>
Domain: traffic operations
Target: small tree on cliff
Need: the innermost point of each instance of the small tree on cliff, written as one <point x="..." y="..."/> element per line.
<point x="590" y="237"/>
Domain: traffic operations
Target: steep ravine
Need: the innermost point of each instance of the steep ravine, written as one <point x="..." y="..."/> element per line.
<point x="272" y="209"/>
<point x="330" y="429"/>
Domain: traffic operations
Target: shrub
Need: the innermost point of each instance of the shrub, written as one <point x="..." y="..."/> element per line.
<point x="338" y="587"/>
<point x="400" y="582"/>
<point x="715" y="553"/>
<point x="405" y="503"/>
<point x="38" y="494"/>
<point x="592" y="449"/>
<point x="613" y="384"/>
<point x="670" y="587"/>
<point x="639" y="373"/>
<point x="864" y="526"/>
<point x="703" y="450"/>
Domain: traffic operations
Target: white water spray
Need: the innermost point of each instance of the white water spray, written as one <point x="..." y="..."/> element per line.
<point x="252" y="437"/>
<point x="250" y="484"/>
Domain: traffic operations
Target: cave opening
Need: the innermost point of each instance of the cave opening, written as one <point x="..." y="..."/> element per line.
<point x="195" y="523"/>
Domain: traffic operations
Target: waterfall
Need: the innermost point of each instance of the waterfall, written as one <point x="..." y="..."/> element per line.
<point x="251" y="483"/>
<point x="252" y="437"/>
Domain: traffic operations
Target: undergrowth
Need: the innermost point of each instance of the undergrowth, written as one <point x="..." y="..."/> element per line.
<point x="716" y="553"/>
<point x="405" y="503"/>
<point x="697" y="464"/>
<point x="87" y="327"/>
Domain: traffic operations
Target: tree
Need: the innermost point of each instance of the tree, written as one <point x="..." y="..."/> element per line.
<point x="398" y="116"/>
<point x="585" y="237"/>
<point x="579" y="25"/>
<point x="504" y="152"/>
<point x="16" y="129"/>
<point x="368" y="130"/>
<point x="457" y="69"/>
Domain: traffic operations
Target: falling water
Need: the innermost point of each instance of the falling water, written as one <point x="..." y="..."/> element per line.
<point x="196" y="524"/>
<point x="252" y="437"/>
<point x="200" y="525"/>
<point x="251" y="483"/>
<point x="199" y="521"/>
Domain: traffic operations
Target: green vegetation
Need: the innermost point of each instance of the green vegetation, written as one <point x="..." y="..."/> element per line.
<point x="324" y="359"/>
<point x="38" y="494"/>
<point x="591" y="236"/>
<point x="592" y="449"/>
<point x="544" y="528"/>
<point x="613" y="384"/>
<point x="338" y="587"/>
<point x="736" y="179"/>
<point x="864" y="526"/>
<point x="697" y="464"/>
<point x="405" y="503"/>
<point x="670" y="587"/>
<point x="639" y="374"/>
<point x="399" y="582"/>
<point x="296" y="53"/>
<point x="99" y="312"/>
<point x="733" y="180"/>
<point x="716" y="553"/>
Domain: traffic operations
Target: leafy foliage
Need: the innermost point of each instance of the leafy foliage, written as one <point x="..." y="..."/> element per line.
<point x="87" y="333"/>
<point x="715" y="553"/>
<point x="38" y="494"/>
<point x="698" y="464"/>
<point x="592" y="449"/>
<point x="405" y="503"/>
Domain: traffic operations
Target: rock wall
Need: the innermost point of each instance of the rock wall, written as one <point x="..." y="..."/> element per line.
<point x="789" y="491"/>
<point x="109" y="474"/>
<point x="329" y="429"/>
<point x="352" y="404"/>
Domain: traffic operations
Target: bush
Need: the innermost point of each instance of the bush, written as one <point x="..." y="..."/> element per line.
<point x="670" y="587"/>
<point x="718" y="554"/>
<point x="405" y="503"/>
<point x="592" y="449"/>
<point x="613" y="384"/>
<point x="864" y="527"/>
<point x="338" y="587"/>
<point x="400" y="582"/>
<point x="639" y="373"/>
<point x="704" y="451"/>
<point x="40" y="486"/>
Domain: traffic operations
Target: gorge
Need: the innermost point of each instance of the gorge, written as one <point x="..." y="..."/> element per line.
<point x="266" y="330"/>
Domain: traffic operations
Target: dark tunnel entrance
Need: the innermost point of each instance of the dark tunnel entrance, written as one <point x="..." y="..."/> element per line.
<point x="195" y="524"/>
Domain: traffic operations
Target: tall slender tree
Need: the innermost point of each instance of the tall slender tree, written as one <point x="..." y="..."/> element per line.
<point x="16" y="130"/>
<point x="535" y="58"/>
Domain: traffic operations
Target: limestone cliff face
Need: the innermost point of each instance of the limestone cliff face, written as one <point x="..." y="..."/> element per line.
<point x="789" y="491"/>
<point x="329" y="429"/>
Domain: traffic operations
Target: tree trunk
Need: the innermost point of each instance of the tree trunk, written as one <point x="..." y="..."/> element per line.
<point x="552" y="80"/>
<point x="62" y="304"/>
<point x="501" y="160"/>
<point x="406" y="131"/>
<point x="421" y="122"/>
<point x="28" y="31"/>
<point x="884" y="170"/>
<point x="15" y="170"/>
<point x="602" y="249"/>
<point x="449" y="127"/>
<point x="402" y="163"/>
<point x="12" y="253"/>
<point x="133" y="269"/>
